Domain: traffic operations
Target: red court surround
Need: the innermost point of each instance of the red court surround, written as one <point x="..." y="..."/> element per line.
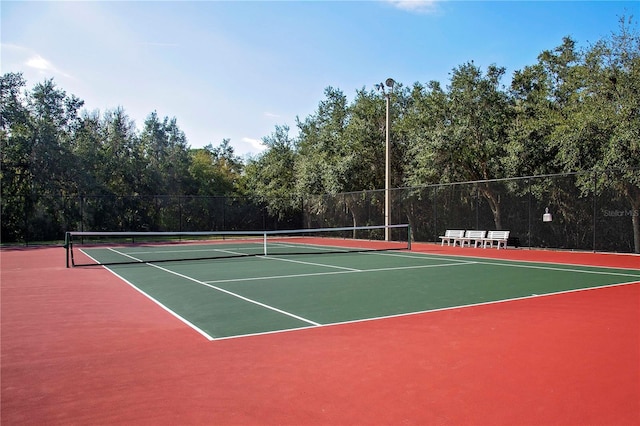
<point x="81" y="347"/>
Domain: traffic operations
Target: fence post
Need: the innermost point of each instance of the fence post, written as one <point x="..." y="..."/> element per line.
<point x="27" y="209"/>
<point x="529" y="213"/>
<point x="180" y="212"/>
<point x="477" y="207"/>
<point x="595" y="193"/>
<point x="435" y="213"/>
<point x="81" y="212"/>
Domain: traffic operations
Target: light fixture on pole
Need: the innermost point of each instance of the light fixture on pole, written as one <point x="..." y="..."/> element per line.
<point x="387" y="174"/>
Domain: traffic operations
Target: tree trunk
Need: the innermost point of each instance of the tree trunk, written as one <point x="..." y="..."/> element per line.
<point x="494" y="203"/>
<point x="633" y="194"/>
<point x="635" y="219"/>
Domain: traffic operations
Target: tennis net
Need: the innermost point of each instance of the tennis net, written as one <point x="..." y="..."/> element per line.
<point x="112" y="248"/>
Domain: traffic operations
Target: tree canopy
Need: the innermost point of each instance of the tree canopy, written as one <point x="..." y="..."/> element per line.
<point x="573" y="110"/>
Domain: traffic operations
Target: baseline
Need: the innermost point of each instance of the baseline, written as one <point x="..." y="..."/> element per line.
<point x="428" y="311"/>
<point x="587" y="269"/>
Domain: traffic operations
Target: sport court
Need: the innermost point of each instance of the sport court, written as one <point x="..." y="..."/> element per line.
<point x="318" y="282"/>
<point x="434" y="335"/>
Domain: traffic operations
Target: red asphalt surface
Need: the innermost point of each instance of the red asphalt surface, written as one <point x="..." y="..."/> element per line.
<point x="79" y="346"/>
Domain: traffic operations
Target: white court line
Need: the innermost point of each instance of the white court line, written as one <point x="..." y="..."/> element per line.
<point x="246" y="299"/>
<point x="310" y="263"/>
<point x="154" y="300"/>
<point x="448" y="308"/>
<point x="123" y="254"/>
<point x="315" y="274"/>
<point x="550" y="268"/>
<point x="205" y="250"/>
<point x="418" y="255"/>
<point x="508" y="262"/>
<point x="516" y="263"/>
<point x="167" y="309"/>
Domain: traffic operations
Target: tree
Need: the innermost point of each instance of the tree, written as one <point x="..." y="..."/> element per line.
<point x="324" y="162"/>
<point x="55" y="119"/>
<point x="470" y="134"/>
<point x="270" y="177"/>
<point x="604" y="131"/>
<point x="16" y="133"/>
<point x="229" y="165"/>
<point x="424" y="123"/>
<point x="90" y="171"/>
<point x="166" y="152"/>
<point x="364" y="140"/>
<point x="216" y="171"/>
<point x="339" y="148"/>
<point x="37" y="160"/>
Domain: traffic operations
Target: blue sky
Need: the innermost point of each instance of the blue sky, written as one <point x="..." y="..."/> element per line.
<point x="237" y="69"/>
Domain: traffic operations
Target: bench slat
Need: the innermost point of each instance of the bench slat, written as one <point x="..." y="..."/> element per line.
<point x="451" y="235"/>
<point x="475" y="236"/>
<point x="499" y="237"/>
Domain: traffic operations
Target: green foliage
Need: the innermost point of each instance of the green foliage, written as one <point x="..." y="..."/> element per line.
<point x="270" y="176"/>
<point x="59" y="163"/>
<point x="575" y="110"/>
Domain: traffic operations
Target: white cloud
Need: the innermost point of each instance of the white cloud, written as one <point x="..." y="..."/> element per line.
<point x="44" y="66"/>
<point x="15" y="58"/>
<point x="271" y="115"/>
<point x="256" y="144"/>
<point x="417" y="6"/>
<point x="39" y="63"/>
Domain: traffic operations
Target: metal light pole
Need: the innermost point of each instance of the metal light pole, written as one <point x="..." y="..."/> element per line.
<point x="387" y="169"/>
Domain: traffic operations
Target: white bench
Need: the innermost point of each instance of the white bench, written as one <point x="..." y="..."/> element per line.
<point x="469" y="236"/>
<point x="499" y="237"/>
<point x="451" y="235"/>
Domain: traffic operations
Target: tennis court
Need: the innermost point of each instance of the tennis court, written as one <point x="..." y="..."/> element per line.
<point x="316" y="282"/>
<point x="317" y="331"/>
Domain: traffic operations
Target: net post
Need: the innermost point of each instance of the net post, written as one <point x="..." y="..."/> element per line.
<point x="264" y="237"/>
<point x="409" y="237"/>
<point x="67" y="242"/>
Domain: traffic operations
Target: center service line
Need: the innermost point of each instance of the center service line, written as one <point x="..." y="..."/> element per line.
<point x="255" y="302"/>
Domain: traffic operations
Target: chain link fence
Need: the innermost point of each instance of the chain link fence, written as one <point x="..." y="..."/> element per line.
<point x="588" y="213"/>
<point x="584" y="216"/>
<point x="42" y="218"/>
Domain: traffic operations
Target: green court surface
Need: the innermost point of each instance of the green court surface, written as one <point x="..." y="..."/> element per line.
<point x="233" y="297"/>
